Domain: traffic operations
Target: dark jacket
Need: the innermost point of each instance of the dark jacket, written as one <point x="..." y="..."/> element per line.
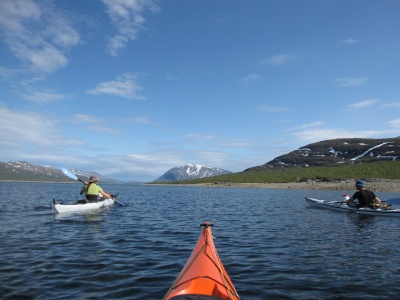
<point x="365" y="197"/>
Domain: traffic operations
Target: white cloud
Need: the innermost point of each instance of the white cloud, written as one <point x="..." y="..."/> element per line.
<point x="350" y="41"/>
<point x="314" y="135"/>
<point x="392" y="105"/>
<point x="128" y="17"/>
<point x="44" y="97"/>
<point x="6" y="73"/>
<point x="82" y="118"/>
<point x="309" y="125"/>
<point x="46" y="58"/>
<point x="22" y="132"/>
<point x="95" y="124"/>
<point x="125" y="86"/>
<point x="394" y="123"/>
<point x="365" y="103"/>
<point x="277" y="60"/>
<point x="14" y="12"/>
<point x="352" y="82"/>
<point x="37" y="34"/>
<point x="317" y="131"/>
<point x="105" y="130"/>
<point x="172" y="77"/>
<point x="248" y="79"/>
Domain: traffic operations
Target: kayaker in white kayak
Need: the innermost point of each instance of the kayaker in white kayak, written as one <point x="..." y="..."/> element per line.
<point x="92" y="190"/>
<point x="364" y="196"/>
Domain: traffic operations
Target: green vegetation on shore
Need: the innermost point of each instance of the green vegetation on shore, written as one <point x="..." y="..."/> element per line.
<point x="374" y="170"/>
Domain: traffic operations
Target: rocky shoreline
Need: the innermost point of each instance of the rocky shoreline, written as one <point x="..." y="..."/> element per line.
<point x="376" y="185"/>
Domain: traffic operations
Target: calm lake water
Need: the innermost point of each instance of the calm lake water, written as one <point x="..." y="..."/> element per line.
<point x="271" y="243"/>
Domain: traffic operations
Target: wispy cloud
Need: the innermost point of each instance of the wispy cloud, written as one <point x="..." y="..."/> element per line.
<point x="394" y="123"/>
<point x="125" y="86"/>
<point x="37" y="34"/>
<point x="309" y="125"/>
<point x="365" y="103"/>
<point x="318" y="131"/>
<point x="350" y="40"/>
<point x="104" y="129"/>
<point x="25" y="131"/>
<point x="248" y="79"/>
<point x="6" y="73"/>
<point x="141" y="120"/>
<point x="274" y="109"/>
<point x="172" y="77"/>
<point x="44" y="97"/>
<point x="128" y="17"/>
<point x="94" y="123"/>
<point x="236" y="143"/>
<point x="199" y="136"/>
<point x="83" y="118"/>
<point x="314" y="135"/>
<point x="392" y="105"/>
<point x="217" y="142"/>
<point x="277" y="60"/>
<point x="352" y="82"/>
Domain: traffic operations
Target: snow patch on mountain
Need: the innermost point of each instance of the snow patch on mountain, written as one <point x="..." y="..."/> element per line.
<point x="366" y="152"/>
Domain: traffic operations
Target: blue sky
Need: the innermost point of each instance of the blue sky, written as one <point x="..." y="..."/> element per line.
<point x="133" y="88"/>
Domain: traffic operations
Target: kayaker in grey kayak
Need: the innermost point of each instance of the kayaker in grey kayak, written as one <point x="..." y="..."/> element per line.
<point x="92" y="190"/>
<point x="364" y="196"/>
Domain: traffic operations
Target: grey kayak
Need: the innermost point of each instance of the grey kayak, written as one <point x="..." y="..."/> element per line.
<point x="343" y="207"/>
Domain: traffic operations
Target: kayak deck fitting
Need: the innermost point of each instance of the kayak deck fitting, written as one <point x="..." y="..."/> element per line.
<point x="203" y="277"/>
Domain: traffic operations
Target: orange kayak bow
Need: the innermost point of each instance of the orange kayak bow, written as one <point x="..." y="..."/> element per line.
<point x="203" y="277"/>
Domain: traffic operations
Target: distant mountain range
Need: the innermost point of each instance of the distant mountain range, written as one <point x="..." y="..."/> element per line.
<point x="190" y="171"/>
<point x="325" y="153"/>
<point x="22" y="170"/>
<point x="25" y="171"/>
<point x="336" y="152"/>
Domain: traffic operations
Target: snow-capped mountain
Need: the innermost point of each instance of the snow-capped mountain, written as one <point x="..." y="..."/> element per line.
<point x="190" y="171"/>
<point x="336" y="152"/>
<point x="26" y="171"/>
<point x="22" y="170"/>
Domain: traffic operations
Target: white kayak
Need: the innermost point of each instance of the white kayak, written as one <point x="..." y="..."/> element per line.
<point x="80" y="207"/>
<point x="386" y="211"/>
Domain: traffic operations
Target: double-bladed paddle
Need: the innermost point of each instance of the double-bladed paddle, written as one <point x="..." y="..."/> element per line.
<point x="71" y="175"/>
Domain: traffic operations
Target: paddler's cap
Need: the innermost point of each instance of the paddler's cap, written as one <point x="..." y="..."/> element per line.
<point x="93" y="178"/>
<point x="360" y="183"/>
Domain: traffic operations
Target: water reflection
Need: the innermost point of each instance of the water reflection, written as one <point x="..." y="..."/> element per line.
<point x="84" y="217"/>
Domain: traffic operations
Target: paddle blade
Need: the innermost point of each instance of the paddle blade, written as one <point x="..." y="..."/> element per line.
<point x="69" y="174"/>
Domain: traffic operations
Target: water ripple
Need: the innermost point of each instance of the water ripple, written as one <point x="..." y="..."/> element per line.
<point x="271" y="243"/>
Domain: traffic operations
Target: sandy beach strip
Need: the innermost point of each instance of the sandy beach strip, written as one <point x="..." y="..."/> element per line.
<point x="376" y="185"/>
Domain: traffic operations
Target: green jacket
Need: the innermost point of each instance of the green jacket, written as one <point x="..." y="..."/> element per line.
<point x="93" y="189"/>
